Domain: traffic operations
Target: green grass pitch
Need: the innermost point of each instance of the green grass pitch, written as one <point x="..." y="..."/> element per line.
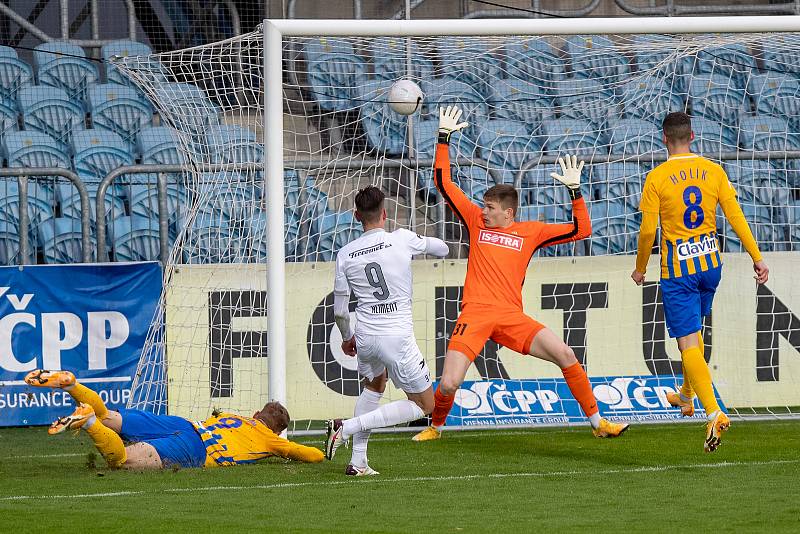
<point x="656" y="478"/>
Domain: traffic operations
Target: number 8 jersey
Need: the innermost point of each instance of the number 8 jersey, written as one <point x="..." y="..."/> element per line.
<point x="377" y="268"/>
<point x="685" y="191"/>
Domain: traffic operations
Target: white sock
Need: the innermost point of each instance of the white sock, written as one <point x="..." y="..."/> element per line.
<point x="394" y="413"/>
<point x="594" y="419"/>
<point x="89" y="422"/>
<point x="368" y="401"/>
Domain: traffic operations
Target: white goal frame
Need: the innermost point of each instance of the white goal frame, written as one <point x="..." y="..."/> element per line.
<point x="276" y="30"/>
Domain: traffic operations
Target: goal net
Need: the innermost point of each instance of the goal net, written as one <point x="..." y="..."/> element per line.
<point x="528" y="99"/>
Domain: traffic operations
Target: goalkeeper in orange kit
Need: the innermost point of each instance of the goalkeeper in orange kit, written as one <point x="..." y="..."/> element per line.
<point x="156" y="441"/>
<point x="491" y="307"/>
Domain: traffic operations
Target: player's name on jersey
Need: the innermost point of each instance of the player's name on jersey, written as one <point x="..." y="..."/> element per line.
<point x="692" y="174"/>
<point x="384" y="307"/>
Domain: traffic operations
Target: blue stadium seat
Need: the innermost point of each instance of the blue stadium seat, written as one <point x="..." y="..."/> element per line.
<point x="335" y="229"/>
<point x="635" y="137"/>
<point x="389" y="59"/>
<point x="573" y="136"/>
<point x="70" y="201"/>
<point x="122" y="48"/>
<point x="442" y="92"/>
<point x="474" y="61"/>
<point x="779" y="54"/>
<point x="654" y="53"/>
<point x="233" y="144"/>
<point x="9" y="116"/>
<point x="650" y="98"/>
<point x="333" y="68"/>
<point x="620" y="184"/>
<point x="119" y="109"/>
<point x="210" y="239"/>
<point x="759" y="182"/>
<point x="585" y="98"/>
<point x="14" y="73"/>
<point x="192" y="110"/>
<point x="136" y="238"/>
<point x="160" y="145"/>
<point x="765" y="132"/>
<point x="506" y="145"/>
<point x="10" y="244"/>
<point x="41" y="202"/>
<point x="228" y="193"/>
<point x="64" y="65"/>
<point x="385" y="129"/>
<point x="715" y="97"/>
<point x="60" y="240"/>
<point x="776" y="94"/>
<point x="613" y="231"/>
<point x="50" y="110"/>
<point x="98" y="152"/>
<point x="520" y="101"/>
<point x="711" y="138"/>
<point x="534" y="62"/>
<point x="732" y="61"/>
<point x="254" y="247"/>
<point x="596" y="56"/>
<point x="31" y="149"/>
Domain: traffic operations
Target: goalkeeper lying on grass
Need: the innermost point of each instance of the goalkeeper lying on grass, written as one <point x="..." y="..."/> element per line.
<point x="158" y="441"/>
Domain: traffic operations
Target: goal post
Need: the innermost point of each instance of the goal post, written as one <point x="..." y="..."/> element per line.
<point x="255" y="318"/>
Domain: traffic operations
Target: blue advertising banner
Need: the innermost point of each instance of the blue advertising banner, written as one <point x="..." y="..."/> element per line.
<point x="549" y="401"/>
<point x="89" y="319"/>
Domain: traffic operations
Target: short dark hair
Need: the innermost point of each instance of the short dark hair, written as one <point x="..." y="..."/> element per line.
<point x="369" y="204"/>
<point x="677" y="127"/>
<point x="275" y="416"/>
<point x="505" y="194"/>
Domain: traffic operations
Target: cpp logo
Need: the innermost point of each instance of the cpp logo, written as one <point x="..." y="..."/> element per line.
<point x="487" y="397"/>
<point x="57" y="332"/>
<point x="625" y="393"/>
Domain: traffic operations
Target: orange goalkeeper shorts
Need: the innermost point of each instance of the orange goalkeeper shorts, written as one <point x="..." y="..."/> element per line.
<point x="509" y="327"/>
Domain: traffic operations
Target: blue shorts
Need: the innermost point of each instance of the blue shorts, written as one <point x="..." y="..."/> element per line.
<point x="688" y="299"/>
<point x="174" y="438"/>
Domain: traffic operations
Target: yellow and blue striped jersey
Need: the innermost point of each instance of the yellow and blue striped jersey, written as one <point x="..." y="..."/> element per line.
<point x="231" y="439"/>
<point x="685" y="191"/>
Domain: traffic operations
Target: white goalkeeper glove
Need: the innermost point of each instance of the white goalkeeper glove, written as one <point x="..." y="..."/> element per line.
<point x="571" y="176"/>
<point x="448" y="123"/>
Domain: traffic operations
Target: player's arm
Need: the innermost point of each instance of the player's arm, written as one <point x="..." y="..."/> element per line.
<point x="294" y="451"/>
<point x="649" y="206"/>
<point x="468" y="212"/>
<point x="733" y="212"/>
<point x="425" y="245"/>
<point x="341" y="308"/>
<point x="581" y="226"/>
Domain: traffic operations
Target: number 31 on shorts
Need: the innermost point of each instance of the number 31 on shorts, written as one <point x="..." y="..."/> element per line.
<point x="459" y="329"/>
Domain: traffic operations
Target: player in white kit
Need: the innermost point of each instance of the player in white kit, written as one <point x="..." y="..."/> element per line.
<point x="376" y="267"/>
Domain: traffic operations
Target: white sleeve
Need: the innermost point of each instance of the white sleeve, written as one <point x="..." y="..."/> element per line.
<point x="341" y="300"/>
<point x="418" y="244"/>
<point x="436" y="247"/>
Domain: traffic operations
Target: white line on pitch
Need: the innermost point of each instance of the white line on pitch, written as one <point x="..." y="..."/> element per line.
<point x="61" y="455"/>
<point x="377" y="480"/>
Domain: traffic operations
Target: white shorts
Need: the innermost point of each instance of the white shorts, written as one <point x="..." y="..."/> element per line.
<point x="399" y="355"/>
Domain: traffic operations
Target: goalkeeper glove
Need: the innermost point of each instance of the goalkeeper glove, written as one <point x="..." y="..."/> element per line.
<point x="571" y="176"/>
<point x="448" y="123"/>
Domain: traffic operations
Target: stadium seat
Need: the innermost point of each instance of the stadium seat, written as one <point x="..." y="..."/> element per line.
<point x="711" y="138"/>
<point x="64" y="65"/>
<point x="473" y="61"/>
<point x="210" y="239"/>
<point x="506" y="145"/>
<point x="650" y="98"/>
<point x="14" y="73"/>
<point x="160" y="145"/>
<point x="136" y="238"/>
<point x="41" y="202"/>
<point x="546" y="199"/>
<point x="61" y="241"/>
<point x="442" y="92"/>
<point x="98" y="152"/>
<point x="70" y="201"/>
<point x="333" y="68"/>
<point x="779" y="54"/>
<point x="731" y="61"/>
<point x="335" y="229"/>
<point x="121" y="49"/>
<point x="520" y="101"/>
<point x="534" y="62"/>
<point x="634" y="137"/>
<point x="776" y="94"/>
<point x="119" y="109"/>
<point x="228" y="193"/>
<point x="596" y="56"/>
<point x="613" y="230"/>
<point x="233" y="144"/>
<point x="254" y="247"/>
<point x="50" y="110"/>
<point x="585" y="98"/>
<point x="619" y="183"/>
<point x="385" y="129"/>
<point x="389" y="59"/>
<point x="715" y="97"/>
<point x="190" y="108"/>
<point x="759" y="182"/>
<point x="765" y="132"/>
<point x="10" y="244"/>
<point x="573" y="136"/>
<point x="654" y="54"/>
<point x="9" y="116"/>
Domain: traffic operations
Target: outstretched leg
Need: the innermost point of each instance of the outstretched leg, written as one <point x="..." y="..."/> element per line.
<point x="107" y="441"/>
<point x="368" y="401"/>
<point x="455" y="369"/>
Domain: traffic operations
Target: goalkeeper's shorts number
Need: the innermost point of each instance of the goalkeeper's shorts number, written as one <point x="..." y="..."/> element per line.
<point x="459" y="329"/>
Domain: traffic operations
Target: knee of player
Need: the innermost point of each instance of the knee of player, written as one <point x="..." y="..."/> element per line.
<point x="565" y="356"/>
<point x="448" y="386"/>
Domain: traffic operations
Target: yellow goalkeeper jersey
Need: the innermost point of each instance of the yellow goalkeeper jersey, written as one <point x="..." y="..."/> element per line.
<point x="684" y="191"/>
<point x="231" y="439"/>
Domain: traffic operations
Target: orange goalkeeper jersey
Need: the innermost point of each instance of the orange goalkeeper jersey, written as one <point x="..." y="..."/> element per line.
<point x="499" y="257"/>
<point x="231" y="439"/>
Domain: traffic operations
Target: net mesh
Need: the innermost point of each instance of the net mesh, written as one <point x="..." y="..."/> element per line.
<point x="528" y="99"/>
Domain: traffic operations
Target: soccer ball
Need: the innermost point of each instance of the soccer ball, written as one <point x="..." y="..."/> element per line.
<point x="405" y="97"/>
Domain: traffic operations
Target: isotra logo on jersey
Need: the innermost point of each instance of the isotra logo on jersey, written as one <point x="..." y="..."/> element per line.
<point x="501" y="240"/>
